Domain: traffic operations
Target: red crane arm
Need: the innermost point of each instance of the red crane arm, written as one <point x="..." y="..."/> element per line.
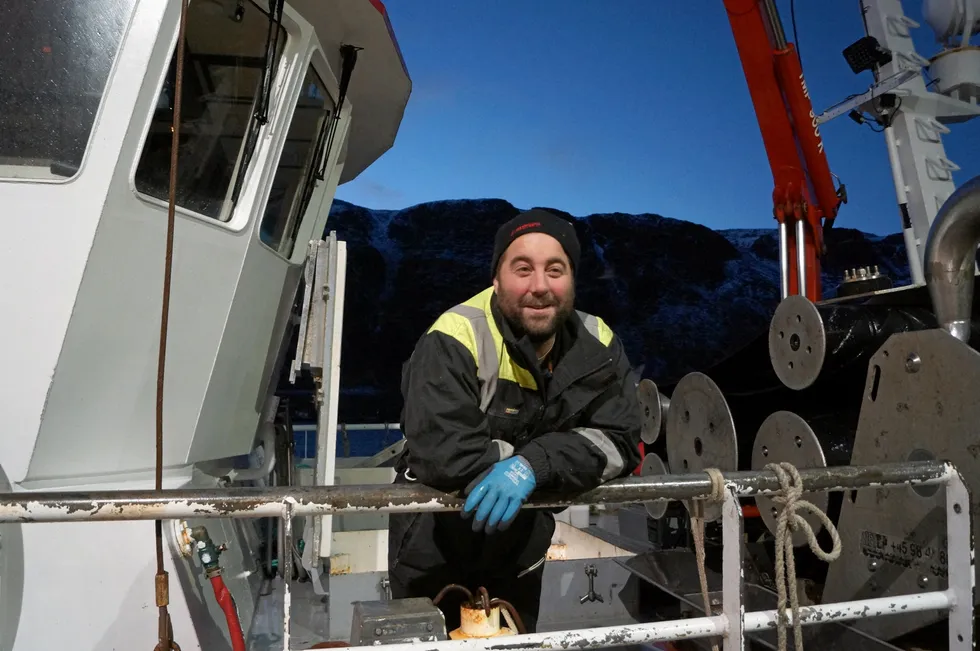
<point x="803" y="191"/>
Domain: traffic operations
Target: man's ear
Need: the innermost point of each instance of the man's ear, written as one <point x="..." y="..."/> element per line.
<point x="495" y="285"/>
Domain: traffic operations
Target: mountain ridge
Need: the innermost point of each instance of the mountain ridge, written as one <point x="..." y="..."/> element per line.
<point x="681" y="296"/>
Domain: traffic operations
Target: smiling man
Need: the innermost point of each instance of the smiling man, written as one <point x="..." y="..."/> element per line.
<point x="510" y="392"/>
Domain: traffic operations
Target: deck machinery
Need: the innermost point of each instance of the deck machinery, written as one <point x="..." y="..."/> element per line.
<point x="281" y="102"/>
<point x="872" y="374"/>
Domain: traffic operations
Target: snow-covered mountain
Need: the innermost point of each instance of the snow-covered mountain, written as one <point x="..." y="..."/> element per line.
<point x="682" y="296"/>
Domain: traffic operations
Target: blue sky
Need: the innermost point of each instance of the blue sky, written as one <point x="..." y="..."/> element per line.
<point x="622" y="105"/>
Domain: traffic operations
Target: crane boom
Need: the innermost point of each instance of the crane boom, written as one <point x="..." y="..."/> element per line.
<point x="803" y="192"/>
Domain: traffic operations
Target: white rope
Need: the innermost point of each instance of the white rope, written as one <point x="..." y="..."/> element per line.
<point x="790" y="520"/>
<point x="697" y="529"/>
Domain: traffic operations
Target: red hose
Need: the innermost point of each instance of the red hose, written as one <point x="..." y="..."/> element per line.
<point x="227" y="603"/>
<point x="643" y="454"/>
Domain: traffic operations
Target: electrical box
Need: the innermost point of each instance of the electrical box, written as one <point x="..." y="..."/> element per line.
<point x="398" y="620"/>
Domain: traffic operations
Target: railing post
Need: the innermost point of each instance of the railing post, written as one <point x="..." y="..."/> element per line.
<point x="959" y="548"/>
<point x="732" y="583"/>
<point x="287" y="573"/>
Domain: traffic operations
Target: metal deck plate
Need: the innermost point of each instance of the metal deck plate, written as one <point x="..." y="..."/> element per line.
<point x="920" y="402"/>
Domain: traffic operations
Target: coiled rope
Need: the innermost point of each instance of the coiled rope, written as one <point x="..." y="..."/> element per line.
<point x="789" y="521"/>
<point x="697" y="530"/>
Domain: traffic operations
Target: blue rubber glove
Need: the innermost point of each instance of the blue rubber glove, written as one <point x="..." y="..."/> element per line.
<point x="500" y="494"/>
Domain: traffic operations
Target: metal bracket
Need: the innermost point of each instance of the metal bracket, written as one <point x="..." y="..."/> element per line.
<point x="591" y="595"/>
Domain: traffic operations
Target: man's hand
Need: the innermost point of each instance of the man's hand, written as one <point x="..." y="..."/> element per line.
<point x="500" y="494"/>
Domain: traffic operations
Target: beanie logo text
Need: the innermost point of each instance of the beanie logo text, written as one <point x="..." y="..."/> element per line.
<point x="524" y="227"/>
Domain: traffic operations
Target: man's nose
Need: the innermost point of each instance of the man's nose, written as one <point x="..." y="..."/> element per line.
<point x="539" y="283"/>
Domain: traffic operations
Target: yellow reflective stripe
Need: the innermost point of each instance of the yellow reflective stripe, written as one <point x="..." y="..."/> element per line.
<point x="597" y="328"/>
<point x="512" y="371"/>
<point x="459" y="328"/>
<point x="508" y="369"/>
<point x="481" y="301"/>
<point x="605" y="333"/>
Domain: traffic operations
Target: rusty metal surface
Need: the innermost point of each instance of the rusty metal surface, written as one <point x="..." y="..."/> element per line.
<point x="388" y="498"/>
<point x="920" y="402"/>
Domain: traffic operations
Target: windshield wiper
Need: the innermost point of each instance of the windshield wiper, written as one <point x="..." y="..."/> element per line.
<point x="261" y="114"/>
<point x="315" y="172"/>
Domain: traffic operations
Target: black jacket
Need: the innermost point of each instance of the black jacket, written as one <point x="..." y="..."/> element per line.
<point x="474" y="394"/>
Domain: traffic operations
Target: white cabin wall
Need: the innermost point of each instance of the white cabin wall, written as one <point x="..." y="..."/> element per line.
<point x="49" y="230"/>
<point x="259" y="317"/>
<point x="226" y="288"/>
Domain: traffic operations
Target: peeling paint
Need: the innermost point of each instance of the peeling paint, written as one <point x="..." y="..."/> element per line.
<point x="326" y="500"/>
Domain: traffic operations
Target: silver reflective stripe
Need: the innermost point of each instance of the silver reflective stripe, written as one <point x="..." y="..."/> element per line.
<point x="614" y="461"/>
<point x="591" y="323"/>
<point x="487" y="362"/>
<point x="506" y="449"/>
<point x="533" y="567"/>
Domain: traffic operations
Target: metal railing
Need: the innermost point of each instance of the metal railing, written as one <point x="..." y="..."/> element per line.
<point x="295" y="501"/>
<point x="731" y="623"/>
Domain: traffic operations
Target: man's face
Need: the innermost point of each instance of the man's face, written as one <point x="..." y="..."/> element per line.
<point x="534" y="285"/>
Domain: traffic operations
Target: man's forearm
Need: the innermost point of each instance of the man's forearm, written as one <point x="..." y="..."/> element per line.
<point x="579" y="459"/>
<point x="452" y="465"/>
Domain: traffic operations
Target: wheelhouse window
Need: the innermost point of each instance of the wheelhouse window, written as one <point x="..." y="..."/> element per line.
<point x="224" y="58"/>
<point x="298" y="165"/>
<point x="56" y="59"/>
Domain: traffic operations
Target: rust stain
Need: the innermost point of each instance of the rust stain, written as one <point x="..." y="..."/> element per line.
<point x="557" y="552"/>
<point x="459" y="634"/>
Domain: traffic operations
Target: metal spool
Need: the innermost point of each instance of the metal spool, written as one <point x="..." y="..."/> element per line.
<point x="816" y="442"/>
<point x="654" y="465"/>
<point x="653" y="406"/>
<point x="700" y="431"/>
<point x="797" y="342"/>
<point x="808" y="341"/>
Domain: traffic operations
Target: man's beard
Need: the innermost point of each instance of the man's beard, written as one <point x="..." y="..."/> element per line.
<point x="537" y="331"/>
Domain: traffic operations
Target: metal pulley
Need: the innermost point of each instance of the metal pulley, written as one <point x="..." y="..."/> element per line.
<point x="812" y="442"/>
<point x="808" y="342"/>
<point x="700" y="431"/>
<point x="653" y="409"/>
<point x="654" y="465"/>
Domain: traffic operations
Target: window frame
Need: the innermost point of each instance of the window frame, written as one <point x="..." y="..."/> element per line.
<point x="317" y="60"/>
<point x="96" y="118"/>
<point x="245" y="208"/>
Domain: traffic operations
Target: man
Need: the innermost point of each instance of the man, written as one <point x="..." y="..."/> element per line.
<point x="509" y="392"/>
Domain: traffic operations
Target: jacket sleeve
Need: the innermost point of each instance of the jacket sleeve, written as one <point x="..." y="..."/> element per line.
<point x="604" y="445"/>
<point x="447" y="435"/>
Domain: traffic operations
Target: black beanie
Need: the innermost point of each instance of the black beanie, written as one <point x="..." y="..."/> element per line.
<point x="536" y="221"/>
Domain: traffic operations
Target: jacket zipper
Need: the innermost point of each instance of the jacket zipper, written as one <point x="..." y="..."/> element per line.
<point x="543" y="408"/>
